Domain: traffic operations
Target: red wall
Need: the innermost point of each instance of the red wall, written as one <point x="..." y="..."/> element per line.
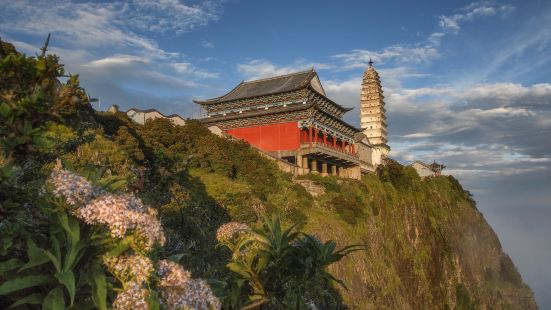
<point x="274" y="137"/>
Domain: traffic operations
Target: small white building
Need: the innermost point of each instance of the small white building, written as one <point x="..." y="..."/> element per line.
<point x="426" y="170"/>
<point x="141" y="116"/>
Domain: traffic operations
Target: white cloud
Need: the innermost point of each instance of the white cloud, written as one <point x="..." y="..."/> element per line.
<point x="187" y="68"/>
<point x="416" y="135"/>
<point x="169" y="15"/>
<point x="449" y="22"/>
<point x="399" y="54"/>
<point x="452" y="23"/>
<point x="118" y="60"/>
<point x="508" y="92"/>
<point x="207" y="44"/>
<point x="110" y="44"/>
<point x="84" y="25"/>
<point x="261" y="68"/>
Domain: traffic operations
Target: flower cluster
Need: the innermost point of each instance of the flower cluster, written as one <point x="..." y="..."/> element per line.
<point x="134" y="297"/>
<point x="171" y="274"/>
<point x="74" y="188"/>
<point x="230" y="230"/>
<point x="121" y="213"/>
<point x="179" y="291"/>
<point x="135" y="268"/>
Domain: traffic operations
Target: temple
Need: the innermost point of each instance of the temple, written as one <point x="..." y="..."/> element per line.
<point x="291" y="118"/>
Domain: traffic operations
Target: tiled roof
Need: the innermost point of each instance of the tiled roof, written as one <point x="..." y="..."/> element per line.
<point x="268" y="86"/>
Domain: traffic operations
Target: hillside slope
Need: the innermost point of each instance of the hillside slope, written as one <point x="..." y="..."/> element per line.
<point x="427" y="245"/>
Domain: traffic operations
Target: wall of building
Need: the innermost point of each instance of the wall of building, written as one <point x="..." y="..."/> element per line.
<point x="422" y="171"/>
<point x="377" y="155"/>
<point x="177" y="120"/>
<point x="269" y="138"/>
<point x="141" y="117"/>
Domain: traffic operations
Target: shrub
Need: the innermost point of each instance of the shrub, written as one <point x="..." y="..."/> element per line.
<point x="276" y="266"/>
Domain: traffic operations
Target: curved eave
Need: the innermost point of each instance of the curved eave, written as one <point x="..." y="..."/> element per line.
<point x="247" y="114"/>
<point x="218" y="99"/>
<point x="339" y="120"/>
<point x="342" y="108"/>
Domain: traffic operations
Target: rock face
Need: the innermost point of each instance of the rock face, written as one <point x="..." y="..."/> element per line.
<point x="428" y="247"/>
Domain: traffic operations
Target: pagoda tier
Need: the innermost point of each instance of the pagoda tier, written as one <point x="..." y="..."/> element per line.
<point x="372" y="110"/>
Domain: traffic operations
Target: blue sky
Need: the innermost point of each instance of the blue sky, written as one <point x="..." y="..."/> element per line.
<point x="466" y="83"/>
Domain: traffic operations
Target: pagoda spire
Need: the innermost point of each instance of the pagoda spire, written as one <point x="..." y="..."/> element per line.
<point x="372" y="112"/>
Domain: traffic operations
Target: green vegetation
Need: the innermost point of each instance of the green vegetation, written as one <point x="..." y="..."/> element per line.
<point x="74" y="234"/>
<point x="427" y="246"/>
<point x="278" y="266"/>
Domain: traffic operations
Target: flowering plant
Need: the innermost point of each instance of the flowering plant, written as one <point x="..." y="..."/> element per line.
<point x="121" y="233"/>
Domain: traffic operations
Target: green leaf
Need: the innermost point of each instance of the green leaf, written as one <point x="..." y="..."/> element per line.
<point x="98" y="282"/>
<point x="239" y="269"/>
<point x="40" y="65"/>
<point x="153" y="301"/>
<point x="27" y="127"/>
<point x="35" y="254"/>
<point x="33" y="299"/>
<point x="53" y="259"/>
<point x="20" y="283"/>
<point x="67" y="278"/>
<point x="54" y="300"/>
<point x="10" y="264"/>
<point x="263" y="261"/>
<point x="72" y="230"/>
<point x="122" y="246"/>
<point x="5" y="110"/>
<point x="117" y="185"/>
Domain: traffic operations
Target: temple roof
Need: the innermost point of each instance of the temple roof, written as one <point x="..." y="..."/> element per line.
<point x="267" y="86"/>
<point x="273" y="85"/>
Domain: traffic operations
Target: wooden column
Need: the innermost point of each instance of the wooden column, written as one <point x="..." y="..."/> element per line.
<point x="334" y="141"/>
<point x="310" y="135"/>
<point x="333" y="169"/>
<point x="298" y="163"/>
<point x="314" y="166"/>
<point x="324" y="168"/>
<point x="324" y="138"/>
<point x="315" y="135"/>
<point x="305" y="164"/>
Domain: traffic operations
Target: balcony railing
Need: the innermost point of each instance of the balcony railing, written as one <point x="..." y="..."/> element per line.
<point x="329" y="149"/>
